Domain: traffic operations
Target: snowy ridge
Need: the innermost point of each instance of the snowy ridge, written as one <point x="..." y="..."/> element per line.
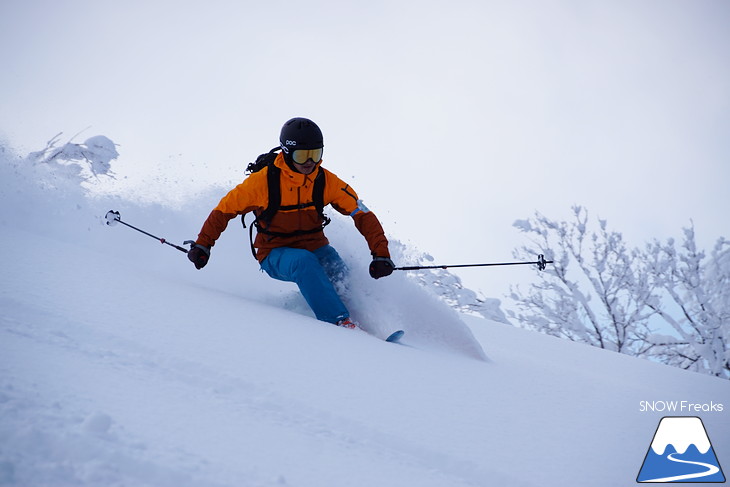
<point x="120" y="364"/>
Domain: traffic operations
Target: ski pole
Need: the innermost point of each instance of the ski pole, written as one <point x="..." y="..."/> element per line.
<point x="113" y="217"/>
<point x="541" y="264"/>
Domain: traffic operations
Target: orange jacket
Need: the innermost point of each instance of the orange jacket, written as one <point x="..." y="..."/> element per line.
<point x="296" y="190"/>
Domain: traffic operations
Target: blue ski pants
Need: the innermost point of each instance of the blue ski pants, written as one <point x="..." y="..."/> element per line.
<point x="316" y="274"/>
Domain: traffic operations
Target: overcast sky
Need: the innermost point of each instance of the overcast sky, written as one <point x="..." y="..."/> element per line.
<point x="451" y="119"/>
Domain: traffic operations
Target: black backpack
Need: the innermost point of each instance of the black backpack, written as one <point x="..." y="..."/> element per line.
<point x="274" y="184"/>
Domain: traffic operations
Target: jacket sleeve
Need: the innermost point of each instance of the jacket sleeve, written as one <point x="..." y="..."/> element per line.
<point x="344" y="199"/>
<point x="369" y="225"/>
<point x="247" y="196"/>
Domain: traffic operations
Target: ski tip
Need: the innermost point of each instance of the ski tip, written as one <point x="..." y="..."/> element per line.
<point x="395" y="336"/>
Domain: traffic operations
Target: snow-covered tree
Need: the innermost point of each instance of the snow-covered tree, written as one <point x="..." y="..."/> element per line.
<point x="591" y="293"/>
<point x="601" y="292"/>
<point x="695" y="304"/>
<point x="84" y="160"/>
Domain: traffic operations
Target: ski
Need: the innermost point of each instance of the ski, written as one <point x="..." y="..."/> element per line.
<point x="395" y="336"/>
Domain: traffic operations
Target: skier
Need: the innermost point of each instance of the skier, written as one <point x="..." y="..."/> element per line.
<point x="290" y="242"/>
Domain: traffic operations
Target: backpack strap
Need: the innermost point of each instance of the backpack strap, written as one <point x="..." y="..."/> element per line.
<point x="273" y="181"/>
<point x="318" y="196"/>
<point x="274" y="187"/>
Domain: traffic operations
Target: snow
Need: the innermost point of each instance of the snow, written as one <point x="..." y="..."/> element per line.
<point x="122" y="365"/>
<point x="681" y="432"/>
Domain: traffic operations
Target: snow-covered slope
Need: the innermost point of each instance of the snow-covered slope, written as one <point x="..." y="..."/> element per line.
<point x="122" y="365"/>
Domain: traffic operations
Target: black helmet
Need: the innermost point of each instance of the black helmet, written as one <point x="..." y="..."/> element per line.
<point x="300" y="133"/>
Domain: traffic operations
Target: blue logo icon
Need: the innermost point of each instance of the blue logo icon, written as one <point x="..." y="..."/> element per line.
<point x="680" y="452"/>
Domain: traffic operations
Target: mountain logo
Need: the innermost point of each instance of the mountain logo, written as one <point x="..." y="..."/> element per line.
<point x="680" y="452"/>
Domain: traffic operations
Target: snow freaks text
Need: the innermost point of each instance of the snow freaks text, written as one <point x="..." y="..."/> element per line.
<point x="680" y="407"/>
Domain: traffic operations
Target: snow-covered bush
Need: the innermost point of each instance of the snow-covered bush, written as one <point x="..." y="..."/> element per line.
<point x="447" y="286"/>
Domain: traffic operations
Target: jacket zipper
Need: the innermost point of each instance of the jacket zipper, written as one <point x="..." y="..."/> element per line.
<point x="299" y="209"/>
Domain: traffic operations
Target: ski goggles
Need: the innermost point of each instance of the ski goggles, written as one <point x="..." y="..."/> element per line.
<point x="301" y="156"/>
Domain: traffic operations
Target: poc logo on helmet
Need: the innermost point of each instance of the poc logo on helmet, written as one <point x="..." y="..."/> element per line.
<point x="290" y="142"/>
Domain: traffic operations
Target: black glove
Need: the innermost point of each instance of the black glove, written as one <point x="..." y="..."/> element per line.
<point x="199" y="256"/>
<point x="381" y="267"/>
